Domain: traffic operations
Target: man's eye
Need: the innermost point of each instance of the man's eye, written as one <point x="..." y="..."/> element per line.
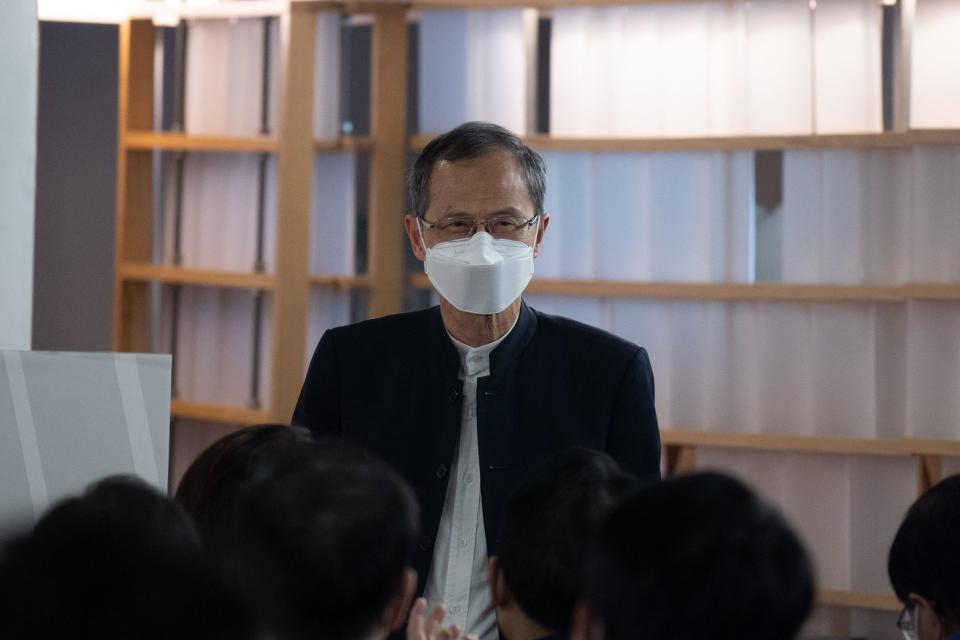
<point x="504" y="223"/>
<point x="455" y="224"/>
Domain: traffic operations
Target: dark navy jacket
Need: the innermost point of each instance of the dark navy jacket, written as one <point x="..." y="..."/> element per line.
<point x="391" y="385"/>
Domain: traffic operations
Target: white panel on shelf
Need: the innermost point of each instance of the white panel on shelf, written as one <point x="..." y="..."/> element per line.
<point x="689" y="345"/>
<point x="891" y="370"/>
<point x="933" y="369"/>
<point x="684" y="62"/>
<point x="326" y="77"/>
<point x="473" y="66"/>
<point x="876" y="625"/>
<point x="648" y="324"/>
<point x="328" y="309"/>
<point x="817" y="501"/>
<point x="333" y="222"/>
<point x="779" y="68"/>
<point x="784" y="373"/>
<point x="847" y="45"/>
<point x="802" y="204"/>
<point x="887" y="201"/>
<point x="844" y="369"/>
<point x="568" y="245"/>
<point x="623" y="184"/>
<point x="841" y="217"/>
<point x="727" y="69"/>
<point x="733" y="362"/>
<point x="684" y="219"/>
<point x="628" y="83"/>
<point x="591" y="311"/>
<point x="737" y="223"/>
<point x="214" y="356"/>
<point x="935" y="58"/>
<point x="935" y="225"/>
<point x="224" y="77"/>
<point x="219" y="216"/>
<point x="881" y="490"/>
<point x="444" y="58"/>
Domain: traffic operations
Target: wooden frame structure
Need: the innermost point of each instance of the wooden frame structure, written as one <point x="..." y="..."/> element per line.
<point x="290" y="283"/>
<point x="385" y="280"/>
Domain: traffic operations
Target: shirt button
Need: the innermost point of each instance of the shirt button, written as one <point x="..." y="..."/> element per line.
<point x="462" y="543"/>
<point x="455" y="609"/>
<point x="441" y="471"/>
<point x="425" y="543"/>
<point x="468" y="478"/>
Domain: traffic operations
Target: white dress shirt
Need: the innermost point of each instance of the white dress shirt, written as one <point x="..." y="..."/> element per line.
<point x="458" y="573"/>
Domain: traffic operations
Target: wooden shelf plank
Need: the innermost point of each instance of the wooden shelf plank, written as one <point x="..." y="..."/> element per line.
<point x="165" y="141"/>
<point x="143" y="272"/>
<point x="346" y="143"/>
<point x="893" y="447"/>
<point x="792" y="443"/>
<point x="217" y="413"/>
<point x="340" y="282"/>
<point x="858" y="600"/>
<point x="739" y="143"/>
<point x="762" y="291"/>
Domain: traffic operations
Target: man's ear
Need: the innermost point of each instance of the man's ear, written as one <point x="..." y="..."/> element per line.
<point x="582" y="624"/>
<point x="499" y="591"/>
<point x="396" y="614"/>
<point x="929" y="622"/>
<point x="541" y="228"/>
<point x="412" y="228"/>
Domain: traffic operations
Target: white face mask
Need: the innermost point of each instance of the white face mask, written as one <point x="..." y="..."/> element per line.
<point x="480" y="274"/>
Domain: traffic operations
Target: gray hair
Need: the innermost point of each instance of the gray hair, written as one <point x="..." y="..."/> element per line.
<point x="472" y="140"/>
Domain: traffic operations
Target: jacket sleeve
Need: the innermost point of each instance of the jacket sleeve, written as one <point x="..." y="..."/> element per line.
<point x="318" y="408"/>
<point x="634" y="436"/>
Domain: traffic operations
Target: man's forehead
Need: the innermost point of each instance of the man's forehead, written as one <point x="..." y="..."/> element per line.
<point x="490" y="179"/>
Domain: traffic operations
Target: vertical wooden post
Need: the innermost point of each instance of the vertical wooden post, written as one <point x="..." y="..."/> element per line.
<point x="295" y="159"/>
<point x="388" y="124"/>
<point x="131" y="330"/>
<point x="929" y="471"/>
<point x="680" y="459"/>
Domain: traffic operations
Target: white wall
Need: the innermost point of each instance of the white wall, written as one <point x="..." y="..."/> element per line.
<point x="18" y="131"/>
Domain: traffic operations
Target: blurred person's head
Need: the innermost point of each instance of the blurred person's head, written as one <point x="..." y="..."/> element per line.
<point x="120" y="561"/>
<point x="548" y="521"/>
<point x="209" y="489"/>
<point x="924" y="563"/>
<point x="324" y="551"/>
<point x="700" y="554"/>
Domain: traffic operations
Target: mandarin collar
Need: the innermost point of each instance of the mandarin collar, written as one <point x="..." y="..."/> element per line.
<point x="507" y="352"/>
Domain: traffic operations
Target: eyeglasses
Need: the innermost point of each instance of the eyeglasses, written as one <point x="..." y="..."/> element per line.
<point x="502" y="227"/>
<point x="907" y="622"/>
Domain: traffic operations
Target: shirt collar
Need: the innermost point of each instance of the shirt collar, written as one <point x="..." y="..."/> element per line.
<point x="504" y="352"/>
<point x="476" y="360"/>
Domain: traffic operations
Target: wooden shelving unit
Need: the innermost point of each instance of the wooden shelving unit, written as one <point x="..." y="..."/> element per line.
<point x="146" y="272"/>
<point x="385" y="281"/>
<point x="341" y="283"/>
<point x="757" y="292"/>
<point x="889" y="140"/>
<point x="167" y="141"/>
<point x="290" y="283"/>
<point x="216" y="413"/>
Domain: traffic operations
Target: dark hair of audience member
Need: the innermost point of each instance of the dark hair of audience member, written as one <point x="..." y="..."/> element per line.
<point x="696" y="555"/>
<point x="120" y="561"/>
<point x="209" y="489"/>
<point x="323" y="551"/>
<point x="549" y="519"/>
<point x="924" y="557"/>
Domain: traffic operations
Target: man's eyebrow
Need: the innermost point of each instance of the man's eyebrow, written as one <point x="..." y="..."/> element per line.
<point x="513" y="211"/>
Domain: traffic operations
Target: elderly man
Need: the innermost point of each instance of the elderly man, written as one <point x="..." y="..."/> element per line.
<point x="462" y="398"/>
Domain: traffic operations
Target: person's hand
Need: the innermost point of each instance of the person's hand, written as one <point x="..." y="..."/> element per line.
<point x="423" y="627"/>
